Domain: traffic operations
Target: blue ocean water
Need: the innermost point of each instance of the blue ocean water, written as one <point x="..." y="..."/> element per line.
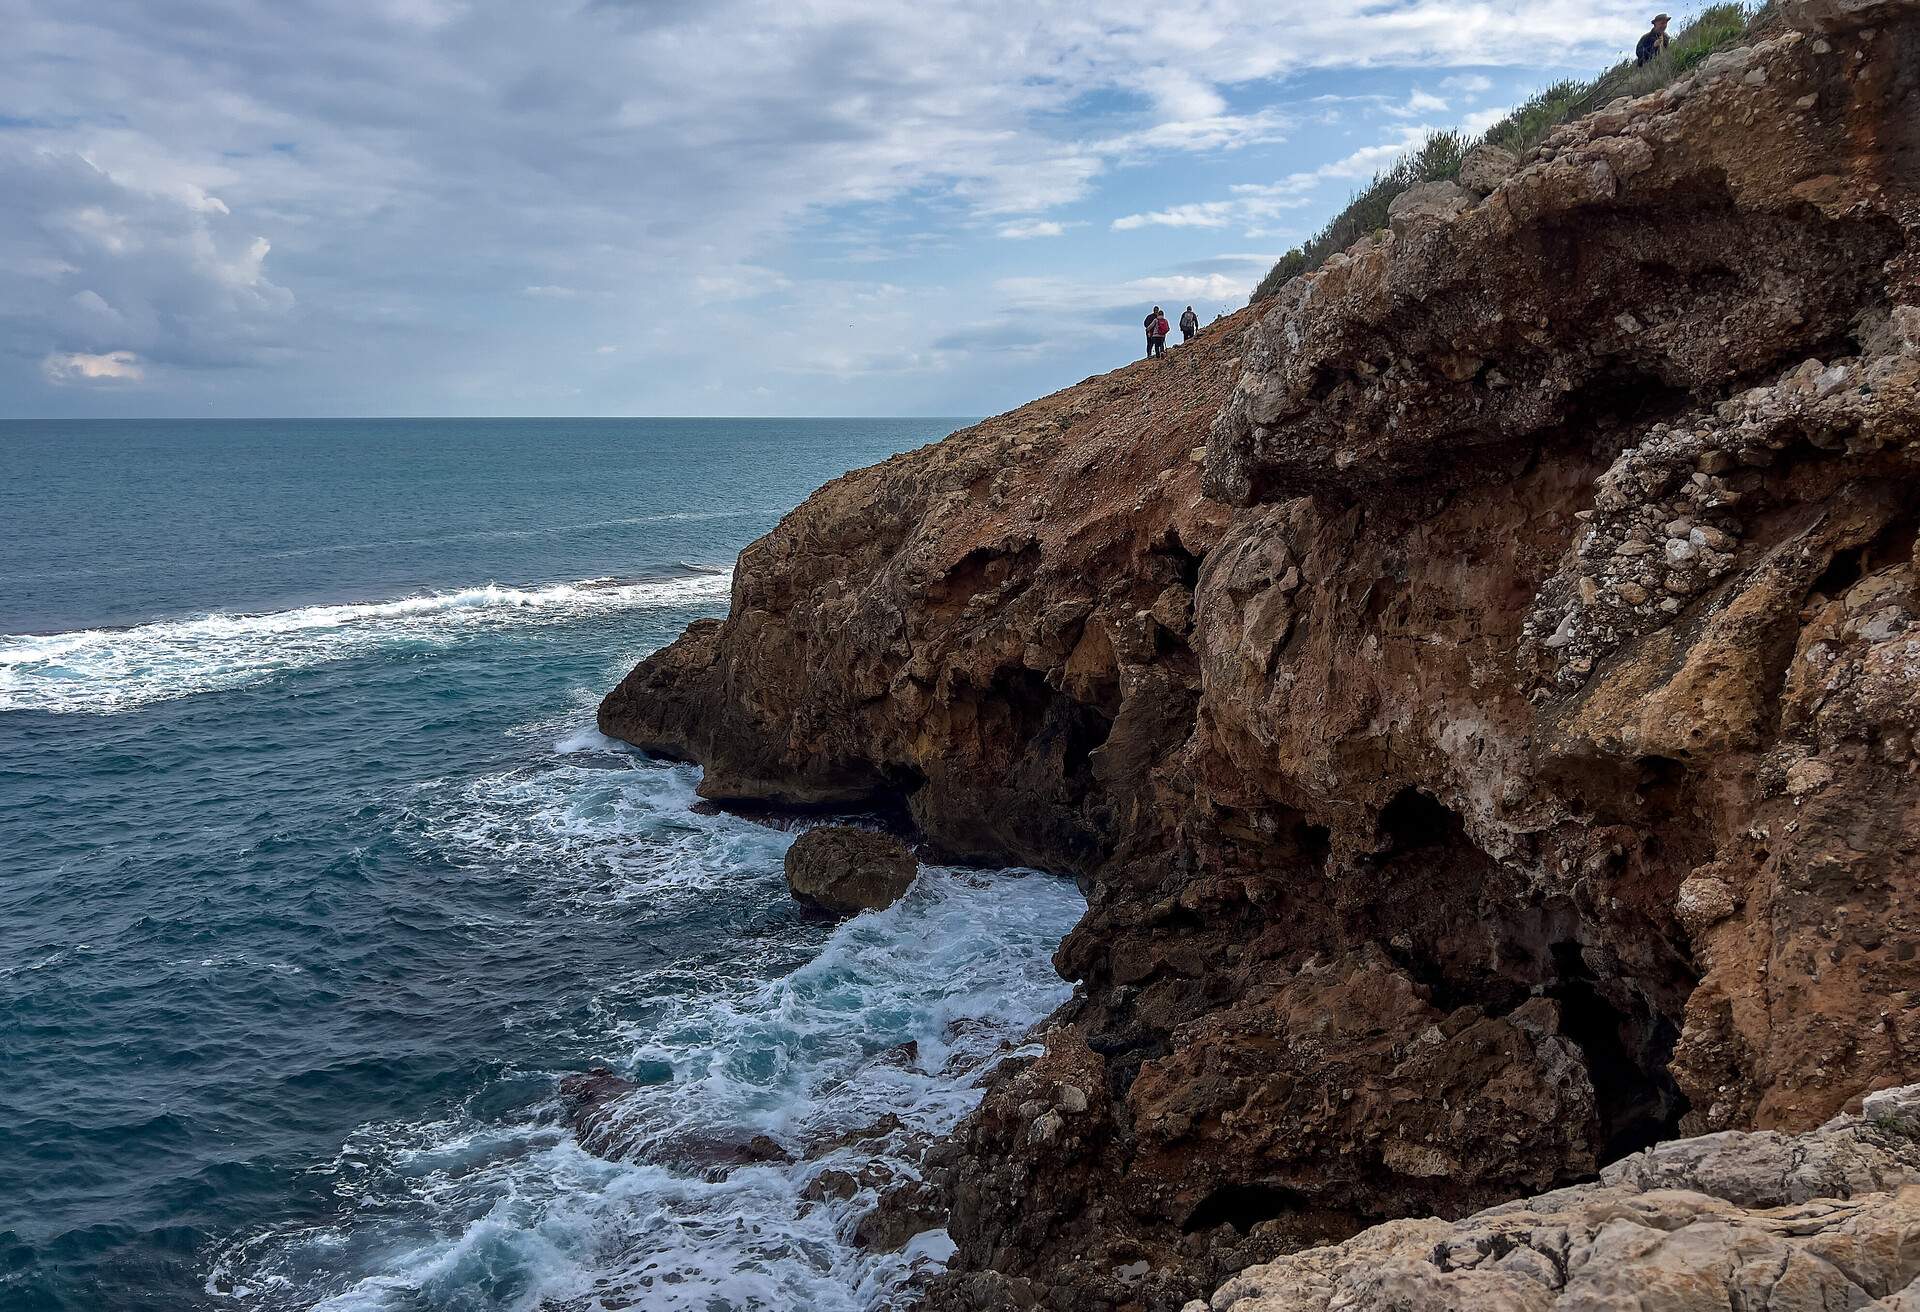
<point x="315" y="881"/>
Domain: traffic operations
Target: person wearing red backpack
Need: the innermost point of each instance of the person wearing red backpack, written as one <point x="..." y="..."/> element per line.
<point x="1157" y="329"/>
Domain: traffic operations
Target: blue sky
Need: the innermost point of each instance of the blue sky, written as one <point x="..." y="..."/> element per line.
<point x="610" y="207"/>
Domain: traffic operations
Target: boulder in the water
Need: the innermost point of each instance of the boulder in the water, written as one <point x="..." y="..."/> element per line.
<point x="843" y="870"/>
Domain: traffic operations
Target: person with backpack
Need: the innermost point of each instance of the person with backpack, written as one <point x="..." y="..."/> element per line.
<point x="1157" y="328"/>
<point x="1189" y="326"/>
<point x="1149" y="323"/>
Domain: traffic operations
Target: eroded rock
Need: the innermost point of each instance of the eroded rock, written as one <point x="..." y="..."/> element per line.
<point x="1761" y="1221"/>
<point x="843" y="871"/>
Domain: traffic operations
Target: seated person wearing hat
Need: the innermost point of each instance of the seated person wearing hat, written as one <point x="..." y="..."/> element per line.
<point x="1654" y="42"/>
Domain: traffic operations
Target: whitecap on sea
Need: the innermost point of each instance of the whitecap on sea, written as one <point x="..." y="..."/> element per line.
<point x="102" y="671"/>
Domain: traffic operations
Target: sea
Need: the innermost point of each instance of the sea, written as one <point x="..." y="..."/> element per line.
<point x="316" y="882"/>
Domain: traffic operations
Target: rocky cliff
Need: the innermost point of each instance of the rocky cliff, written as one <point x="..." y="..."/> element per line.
<point x="1477" y="687"/>
<point x="1761" y="1222"/>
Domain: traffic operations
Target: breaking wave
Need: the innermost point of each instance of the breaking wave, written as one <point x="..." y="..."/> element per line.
<point x="103" y="671"/>
<point x="847" y="1053"/>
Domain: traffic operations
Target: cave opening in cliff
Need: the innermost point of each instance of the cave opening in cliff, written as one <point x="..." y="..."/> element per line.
<point x="1841" y="573"/>
<point x="1243" y="1206"/>
<point x="1185" y="562"/>
<point x="1415" y="821"/>
<point x="1627" y="1044"/>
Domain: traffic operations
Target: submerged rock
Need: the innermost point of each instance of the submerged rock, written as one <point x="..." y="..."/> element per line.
<point x="842" y="870"/>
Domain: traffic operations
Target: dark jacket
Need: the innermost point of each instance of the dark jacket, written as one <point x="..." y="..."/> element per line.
<point x="1189" y="323"/>
<point x="1650" y="45"/>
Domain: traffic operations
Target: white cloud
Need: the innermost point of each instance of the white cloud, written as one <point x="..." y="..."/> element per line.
<point x="1204" y="214"/>
<point x="1253" y="203"/>
<point x="1481" y="119"/>
<point x="79" y="367"/>
<point x="418" y="170"/>
<point x="1027" y="228"/>
<point x="1468" y="84"/>
<point x="739" y="281"/>
<point x="98" y="274"/>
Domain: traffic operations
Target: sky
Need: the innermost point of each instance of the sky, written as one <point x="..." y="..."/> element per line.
<point x="696" y="207"/>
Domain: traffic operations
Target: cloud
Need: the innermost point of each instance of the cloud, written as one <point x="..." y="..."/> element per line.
<point x="93" y="267"/>
<point x="1028" y="228"/>
<point x="1468" y="84"/>
<point x="1253" y="203"/>
<point x="79" y="367"/>
<point x="1205" y="214"/>
<point x="357" y="209"/>
<point x="1480" y="120"/>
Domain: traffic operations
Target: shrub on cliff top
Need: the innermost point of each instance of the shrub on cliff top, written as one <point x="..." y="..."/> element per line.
<point x="1438" y="157"/>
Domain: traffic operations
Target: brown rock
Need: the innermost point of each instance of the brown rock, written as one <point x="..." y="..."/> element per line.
<point x="1700" y="1225"/>
<point x="1426" y="204"/>
<point x="843" y="871"/>
<point x="1420" y="876"/>
<point x="1486" y="166"/>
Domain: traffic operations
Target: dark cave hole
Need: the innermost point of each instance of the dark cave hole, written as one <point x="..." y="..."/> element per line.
<point x="1841" y="573"/>
<point x="1242" y="1206"/>
<point x="1415" y="821"/>
<point x="1626" y="1056"/>
<point x="1314" y="843"/>
<point x="1662" y="784"/>
<point x="1186" y="564"/>
<point x="1086" y="729"/>
<point x="1621" y="397"/>
<point x="1046" y="718"/>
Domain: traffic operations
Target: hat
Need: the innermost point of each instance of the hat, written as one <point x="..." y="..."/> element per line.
<point x="1663" y="18"/>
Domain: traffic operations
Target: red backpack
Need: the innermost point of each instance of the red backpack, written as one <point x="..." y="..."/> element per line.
<point x="1160" y="326"/>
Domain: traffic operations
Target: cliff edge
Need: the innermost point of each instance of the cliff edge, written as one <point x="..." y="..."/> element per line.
<point x="1478" y="687"/>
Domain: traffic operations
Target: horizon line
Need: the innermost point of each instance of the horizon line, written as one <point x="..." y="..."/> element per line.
<point x="353" y="419"/>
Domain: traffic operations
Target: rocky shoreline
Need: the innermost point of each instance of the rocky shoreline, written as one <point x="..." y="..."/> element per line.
<point x="1477" y="687"/>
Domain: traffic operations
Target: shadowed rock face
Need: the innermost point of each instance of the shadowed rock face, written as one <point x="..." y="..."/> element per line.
<point x="1478" y="685"/>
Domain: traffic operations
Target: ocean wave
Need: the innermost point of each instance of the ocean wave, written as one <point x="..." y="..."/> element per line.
<point x="537" y="531"/>
<point x="103" y="671"/>
<point x="597" y="838"/>
<point x="891" y="1025"/>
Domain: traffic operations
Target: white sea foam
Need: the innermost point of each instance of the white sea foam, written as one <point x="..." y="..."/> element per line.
<point x="461" y="1214"/>
<point x="103" y="671"/>
<point x="595" y="837"/>
<point x="581" y="742"/>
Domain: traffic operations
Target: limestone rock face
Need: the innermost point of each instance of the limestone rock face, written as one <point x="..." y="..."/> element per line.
<point x="1760" y="1221"/>
<point x="1424" y="204"/>
<point x="842" y="870"/>
<point x="1478" y="687"/>
<point x="1485" y="167"/>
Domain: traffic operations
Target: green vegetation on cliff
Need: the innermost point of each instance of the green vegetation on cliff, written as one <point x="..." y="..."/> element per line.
<point x="1438" y="158"/>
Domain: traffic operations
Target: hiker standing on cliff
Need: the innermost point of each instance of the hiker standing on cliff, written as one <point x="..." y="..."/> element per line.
<point x="1156" y="325"/>
<point x="1189" y="326"/>
<point x="1654" y="42"/>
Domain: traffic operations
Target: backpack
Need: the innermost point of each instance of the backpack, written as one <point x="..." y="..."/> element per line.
<point x="1160" y="326"/>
